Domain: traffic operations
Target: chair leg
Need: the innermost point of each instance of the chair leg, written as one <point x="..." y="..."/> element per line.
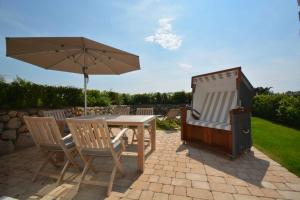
<point x="133" y="136"/>
<point x="85" y="170"/>
<point x="70" y="156"/>
<point x="118" y="163"/>
<point x="42" y="166"/>
<point x="63" y="171"/>
<point x="110" y="131"/>
<point x="85" y="161"/>
<point x="111" y="180"/>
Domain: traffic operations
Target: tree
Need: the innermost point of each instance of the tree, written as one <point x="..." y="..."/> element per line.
<point x="263" y="90"/>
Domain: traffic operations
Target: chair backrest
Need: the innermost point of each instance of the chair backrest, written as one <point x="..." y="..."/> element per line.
<point x="215" y="95"/>
<point x="216" y="106"/>
<point x="57" y="114"/>
<point x="90" y="134"/>
<point x="172" y="113"/>
<point x="144" y="111"/>
<point x="121" y="110"/>
<point x="44" y="131"/>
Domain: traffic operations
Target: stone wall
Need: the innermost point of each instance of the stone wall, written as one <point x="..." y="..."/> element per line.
<point x="14" y="133"/>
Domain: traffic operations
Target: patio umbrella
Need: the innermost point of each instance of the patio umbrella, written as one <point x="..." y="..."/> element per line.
<point x="72" y="54"/>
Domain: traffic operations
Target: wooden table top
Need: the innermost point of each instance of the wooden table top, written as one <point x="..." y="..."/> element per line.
<point x="122" y="119"/>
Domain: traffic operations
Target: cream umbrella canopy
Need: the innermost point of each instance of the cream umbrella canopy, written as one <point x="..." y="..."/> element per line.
<point x="72" y="54"/>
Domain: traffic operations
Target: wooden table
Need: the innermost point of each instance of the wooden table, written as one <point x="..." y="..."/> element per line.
<point x="133" y="120"/>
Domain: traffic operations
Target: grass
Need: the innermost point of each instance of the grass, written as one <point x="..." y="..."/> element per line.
<point x="279" y="142"/>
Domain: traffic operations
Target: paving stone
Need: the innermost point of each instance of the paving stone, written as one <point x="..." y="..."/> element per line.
<point x="295" y="187"/>
<point x="244" y="197"/>
<point x="236" y="181"/>
<point x="242" y="190"/>
<point x="270" y="193"/>
<point x="140" y="185"/>
<point x="153" y="178"/>
<point x="222" y="196"/>
<point x="168" y="189"/>
<point x="134" y="194"/>
<point x="180" y="190"/>
<point x="160" y="196"/>
<point x="200" y="185"/>
<point x="175" y="197"/>
<point x="165" y="180"/>
<point x="216" y="179"/>
<point x="199" y="193"/>
<point x="146" y="195"/>
<point x="255" y="191"/>
<point x="289" y="194"/>
<point x="181" y="182"/>
<point x="155" y="187"/>
<point x="180" y="175"/>
<point x="199" y="175"/>
<point x="281" y="186"/>
<point x="221" y="187"/>
<point x="196" y="177"/>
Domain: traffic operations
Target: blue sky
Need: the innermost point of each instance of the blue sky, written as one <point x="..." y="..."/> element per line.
<point x="174" y="39"/>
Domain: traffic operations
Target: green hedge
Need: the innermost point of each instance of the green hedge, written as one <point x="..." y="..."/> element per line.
<point x="25" y="94"/>
<point x="282" y="108"/>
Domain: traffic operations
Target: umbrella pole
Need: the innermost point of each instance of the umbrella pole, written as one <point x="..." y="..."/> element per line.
<point x="85" y="95"/>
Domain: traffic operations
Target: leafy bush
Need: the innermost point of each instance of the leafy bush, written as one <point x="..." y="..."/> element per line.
<point x="24" y="94"/>
<point x="280" y="108"/>
<point x="168" y="124"/>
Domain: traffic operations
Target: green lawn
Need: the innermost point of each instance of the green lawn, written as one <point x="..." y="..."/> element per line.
<point x="279" y="142"/>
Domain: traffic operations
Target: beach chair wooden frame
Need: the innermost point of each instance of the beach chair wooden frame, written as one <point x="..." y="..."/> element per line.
<point x="220" y="112"/>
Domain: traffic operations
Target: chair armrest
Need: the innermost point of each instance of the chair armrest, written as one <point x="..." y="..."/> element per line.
<point x="240" y="110"/>
<point x="69" y="136"/>
<point x="120" y="134"/>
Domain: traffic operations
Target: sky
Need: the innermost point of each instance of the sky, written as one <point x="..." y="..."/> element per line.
<point x="175" y="40"/>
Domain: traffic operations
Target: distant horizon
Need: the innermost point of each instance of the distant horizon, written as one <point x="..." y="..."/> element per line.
<point x="174" y="40"/>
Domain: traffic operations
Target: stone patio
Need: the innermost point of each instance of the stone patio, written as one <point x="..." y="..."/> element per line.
<point x="173" y="171"/>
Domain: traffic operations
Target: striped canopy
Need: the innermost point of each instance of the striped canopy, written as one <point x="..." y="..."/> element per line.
<point x="214" y="95"/>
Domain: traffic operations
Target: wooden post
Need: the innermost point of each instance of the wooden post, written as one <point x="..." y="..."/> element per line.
<point x="153" y="134"/>
<point x="141" y="146"/>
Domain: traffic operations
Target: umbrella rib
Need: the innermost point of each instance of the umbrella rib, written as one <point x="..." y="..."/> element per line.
<point x="110" y="57"/>
<point x="116" y="60"/>
<point x="43" y="52"/>
<point x="103" y="63"/>
<point x="116" y="52"/>
<point x="60" y="61"/>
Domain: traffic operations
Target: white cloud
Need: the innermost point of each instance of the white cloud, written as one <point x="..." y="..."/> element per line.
<point x="185" y="66"/>
<point x="164" y="35"/>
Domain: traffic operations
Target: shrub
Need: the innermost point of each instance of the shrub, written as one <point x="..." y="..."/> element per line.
<point x="280" y="108"/>
<point x="23" y="94"/>
<point x="168" y="124"/>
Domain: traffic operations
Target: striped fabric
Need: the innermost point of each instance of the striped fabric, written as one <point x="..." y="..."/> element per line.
<point x="215" y="110"/>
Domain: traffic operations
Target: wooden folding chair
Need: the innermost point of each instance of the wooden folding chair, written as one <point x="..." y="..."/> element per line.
<point x="120" y="110"/>
<point x="47" y="136"/>
<point x="141" y="111"/>
<point x="172" y="114"/>
<point x="60" y="117"/>
<point x="93" y="140"/>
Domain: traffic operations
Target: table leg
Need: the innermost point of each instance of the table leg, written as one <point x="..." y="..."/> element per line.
<point x="140" y="148"/>
<point x="153" y="135"/>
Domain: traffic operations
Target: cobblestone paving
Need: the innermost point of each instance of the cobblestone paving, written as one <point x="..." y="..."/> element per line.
<point x="173" y="171"/>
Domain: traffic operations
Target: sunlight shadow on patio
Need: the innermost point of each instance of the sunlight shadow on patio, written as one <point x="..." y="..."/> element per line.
<point x="247" y="167"/>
